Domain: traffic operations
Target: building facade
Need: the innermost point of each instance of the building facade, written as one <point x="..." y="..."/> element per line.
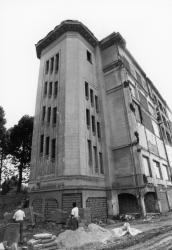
<point x="102" y="132"/>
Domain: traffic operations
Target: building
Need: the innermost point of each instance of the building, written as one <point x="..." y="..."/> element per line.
<point x="102" y="131"/>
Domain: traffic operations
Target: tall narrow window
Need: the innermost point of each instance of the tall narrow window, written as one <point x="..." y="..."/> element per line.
<point x="53" y="149"/>
<point x="88" y="117"/>
<point x="146" y="165"/>
<point x="98" y="130"/>
<point x="89" y="56"/>
<point x="101" y="163"/>
<point x="41" y="144"/>
<point x="45" y="88"/>
<point x="49" y="115"/>
<point x="90" y="160"/>
<point x="165" y="172"/>
<point x="93" y="124"/>
<point x="43" y="113"/>
<point x="47" y="145"/>
<point x="157" y="170"/>
<point x="92" y="97"/>
<point x="86" y="90"/>
<point x="95" y="159"/>
<point x="50" y="89"/>
<point x="96" y="104"/>
<point x="57" y="63"/>
<point x="55" y="88"/>
<point x="54" y="115"/>
<point x="46" y="67"/>
<point x="52" y="64"/>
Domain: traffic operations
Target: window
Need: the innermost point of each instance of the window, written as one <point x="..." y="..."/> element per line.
<point x="88" y="117"/>
<point x="101" y="163"/>
<point x="47" y="145"/>
<point x="165" y="172"/>
<point x="90" y="160"/>
<point x="95" y="159"/>
<point x="92" y="97"/>
<point x="162" y="133"/>
<point x="146" y="165"/>
<point x="93" y="124"/>
<point x="50" y="89"/>
<point x="157" y="169"/>
<point x="57" y="63"/>
<point x="52" y="64"/>
<point x="143" y="100"/>
<point x="168" y="137"/>
<point x="41" y="144"/>
<point x="49" y="115"/>
<point x="98" y="130"/>
<point x="54" y="116"/>
<point x="55" y="88"/>
<point x="96" y="104"/>
<point x="156" y="128"/>
<point x="86" y="90"/>
<point x="139" y="79"/>
<point x="45" y="88"/>
<point x="43" y="113"/>
<point x="46" y="67"/>
<point x="89" y="56"/>
<point x="53" y="149"/>
<point x="138" y="112"/>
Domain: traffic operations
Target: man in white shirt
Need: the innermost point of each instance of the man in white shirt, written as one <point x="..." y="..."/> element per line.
<point x="74" y="217"/>
<point x="19" y="216"/>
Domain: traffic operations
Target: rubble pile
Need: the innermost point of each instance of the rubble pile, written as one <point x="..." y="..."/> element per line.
<point x="43" y="241"/>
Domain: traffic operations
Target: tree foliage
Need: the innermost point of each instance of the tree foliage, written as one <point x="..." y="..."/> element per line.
<point x="3" y="141"/>
<point x="20" y="141"/>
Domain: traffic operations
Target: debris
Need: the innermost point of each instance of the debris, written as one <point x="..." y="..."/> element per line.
<point x="41" y="241"/>
<point x="125" y="229"/>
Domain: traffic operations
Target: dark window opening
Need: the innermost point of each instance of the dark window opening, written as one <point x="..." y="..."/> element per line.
<point x="57" y="63"/>
<point x="95" y="159"/>
<point x="49" y="115"/>
<point x="96" y="104"/>
<point x="45" y="88"/>
<point x="139" y="79"/>
<point x="41" y="144"/>
<point x="47" y="145"/>
<point x="52" y="64"/>
<point x="86" y="90"/>
<point x="54" y="116"/>
<point x="89" y="56"/>
<point x="90" y="160"/>
<point x="43" y="113"/>
<point x="55" y="88"/>
<point x="98" y="130"/>
<point x="53" y="149"/>
<point x="50" y="89"/>
<point x="101" y="163"/>
<point x="168" y="137"/>
<point x="93" y="124"/>
<point x="92" y="97"/>
<point x="88" y="117"/>
<point x="46" y="67"/>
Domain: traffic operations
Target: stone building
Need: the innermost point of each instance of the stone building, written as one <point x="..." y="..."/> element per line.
<point x="102" y="131"/>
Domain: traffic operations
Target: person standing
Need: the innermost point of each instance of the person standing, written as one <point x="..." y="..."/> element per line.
<point x="74" y="216"/>
<point x="19" y="216"/>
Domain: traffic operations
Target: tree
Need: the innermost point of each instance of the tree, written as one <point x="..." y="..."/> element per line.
<point x="3" y="141"/>
<point x="20" y="141"/>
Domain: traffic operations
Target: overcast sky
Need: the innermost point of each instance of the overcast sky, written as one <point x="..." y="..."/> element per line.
<point x="146" y="25"/>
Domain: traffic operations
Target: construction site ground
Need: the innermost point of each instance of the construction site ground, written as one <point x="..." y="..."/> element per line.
<point x="156" y="234"/>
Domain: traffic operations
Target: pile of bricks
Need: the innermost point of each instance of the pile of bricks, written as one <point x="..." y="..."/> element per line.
<point x="43" y="241"/>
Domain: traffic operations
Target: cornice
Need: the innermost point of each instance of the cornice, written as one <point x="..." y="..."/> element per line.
<point x="65" y="26"/>
<point x="114" y="38"/>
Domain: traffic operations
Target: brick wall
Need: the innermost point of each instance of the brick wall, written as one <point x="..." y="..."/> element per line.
<point x="98" y="208"/>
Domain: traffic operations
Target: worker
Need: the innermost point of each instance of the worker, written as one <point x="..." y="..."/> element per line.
<point x="18" y="217"/>
<point x="74" y="216"/>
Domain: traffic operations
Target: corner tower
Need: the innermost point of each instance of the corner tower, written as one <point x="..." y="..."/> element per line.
<point x="67" y="151"/>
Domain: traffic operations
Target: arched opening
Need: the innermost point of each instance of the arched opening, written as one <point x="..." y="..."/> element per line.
<point x="127" y="204"/>
<point x="151" y="202"/>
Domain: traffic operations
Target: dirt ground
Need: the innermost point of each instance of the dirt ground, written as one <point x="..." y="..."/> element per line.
<point x="156" y="234"/>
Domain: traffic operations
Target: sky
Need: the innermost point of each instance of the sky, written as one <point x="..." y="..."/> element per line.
<point x="146" y="25"/>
